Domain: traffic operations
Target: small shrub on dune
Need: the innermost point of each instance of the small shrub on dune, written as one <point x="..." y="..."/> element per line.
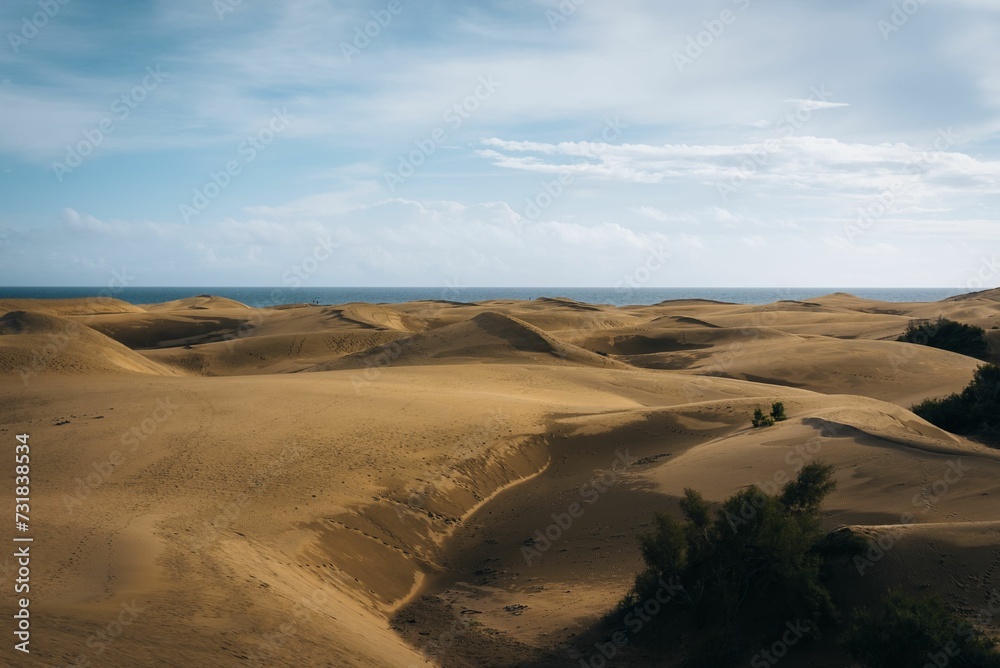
<point x="948" y="413"/>
<point x="761" y="420"/>
<point x="726" y="573"/>
<point x="777" y="414"/>
<point x="913" y="633"/>
<point x="974" y="412"/>
<point x="949" y="335"/>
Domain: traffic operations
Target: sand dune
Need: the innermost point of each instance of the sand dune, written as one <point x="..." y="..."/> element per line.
<point x="902" y="373"/>
<point x="992" y="295"/>
<point x="364" y="513"/>
<point x="36" y="343"/>
<point x="275" y="353"/>
<point x="978" y="308"/>
<point x="167" y="329"/>
<point x="196" y="303"/>
<point x="381" y="317"/>
<point x="487" y="336"/>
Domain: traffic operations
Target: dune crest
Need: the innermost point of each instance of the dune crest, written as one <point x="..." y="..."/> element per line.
<point x="70" y="307"/>
<point x="196" y="303"/>
<point x="489" y="336"/>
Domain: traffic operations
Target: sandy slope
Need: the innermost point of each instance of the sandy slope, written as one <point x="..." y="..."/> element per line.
<point x="35" y="343"/>
<point x="371" y="485"/>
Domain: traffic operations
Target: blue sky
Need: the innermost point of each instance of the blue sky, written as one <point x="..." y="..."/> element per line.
<point x="500" y="143"/>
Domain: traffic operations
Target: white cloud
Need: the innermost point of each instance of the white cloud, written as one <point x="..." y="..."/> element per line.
<point x="658" y="215"/>
<point x="806" y="163"/>
<point x="814" y="105"/>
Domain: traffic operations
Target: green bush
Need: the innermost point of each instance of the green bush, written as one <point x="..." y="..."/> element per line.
<point x="761" y="420"/>
<point x="731" y="570"/>
<point x="974" y="412"/>
<point x="913" y="633"/>
<point x="948" y="335"/>
<point x="777" y="414"/>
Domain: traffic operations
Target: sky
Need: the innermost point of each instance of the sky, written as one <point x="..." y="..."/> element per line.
<point x="317" y="143"/>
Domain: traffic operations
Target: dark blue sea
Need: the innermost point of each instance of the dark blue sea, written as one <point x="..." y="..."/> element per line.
<point x="259" y="297"/>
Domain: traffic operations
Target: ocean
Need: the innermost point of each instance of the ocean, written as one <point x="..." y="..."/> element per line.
<point x="260" y="297"/>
